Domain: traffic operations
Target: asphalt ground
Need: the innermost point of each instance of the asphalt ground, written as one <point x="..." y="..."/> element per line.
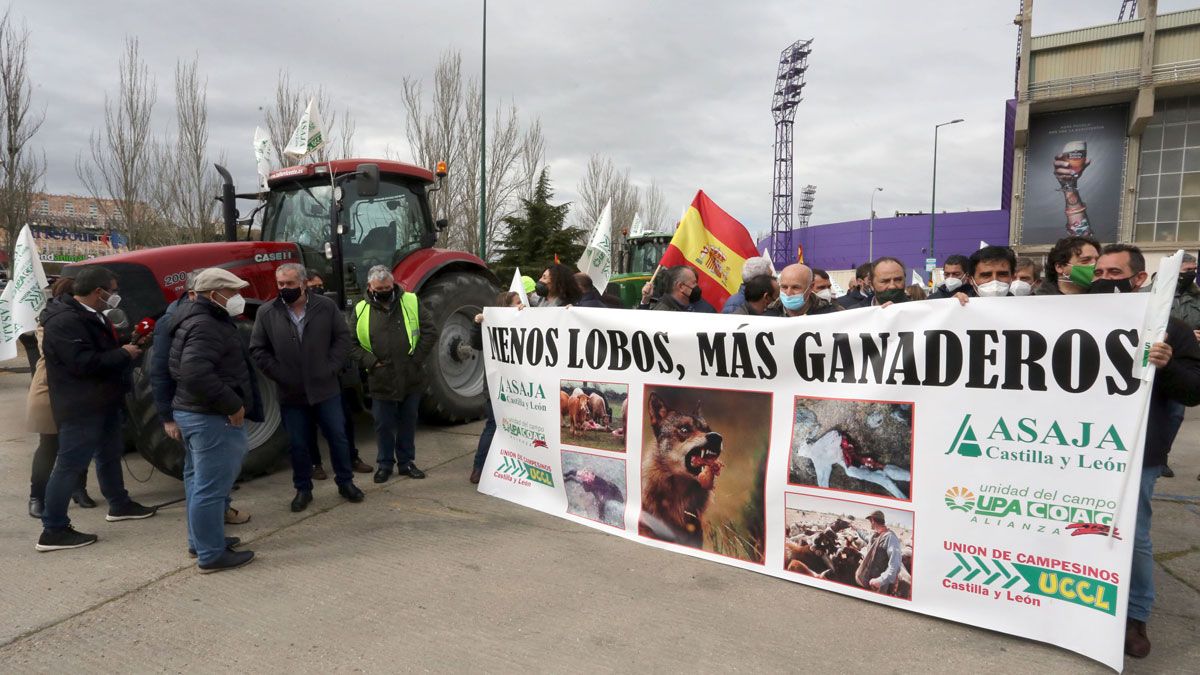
<point x="433" y="576"/>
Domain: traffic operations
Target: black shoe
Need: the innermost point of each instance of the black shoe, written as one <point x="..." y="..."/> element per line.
<point x="1167" y="472"/>
<point x="382" y="474"/>
<point x="230" y="543"/>
<point x="351" y="492"/>
<point x="36" y="507"/>
<point x="131" y="511"/>
<point x="83" y="499"/>
<point x="411" y="471"/>
<point x="228" y="560"/>
<point x="302" y="500"/>
<point x="56" y="540"/>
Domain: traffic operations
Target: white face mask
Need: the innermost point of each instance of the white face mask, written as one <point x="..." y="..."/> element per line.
<point x="1019" y="288"/>
<point x="992" y="289"/>
<point x="825" y="294"/>
<point x="952" y="284"/>
<point x="112" y="300"/>
<point x="235" y="305"/>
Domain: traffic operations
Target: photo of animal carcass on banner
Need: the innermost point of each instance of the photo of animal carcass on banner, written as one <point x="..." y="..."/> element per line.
<point x="704" y="459"/>
<point x="593" y="414"/>
<point x="849" y="543"/>
<point x="595" y="487"/>
<point x="855" y="446"/>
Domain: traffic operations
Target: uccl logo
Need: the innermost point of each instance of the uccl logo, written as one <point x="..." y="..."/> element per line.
<point x="1048" y="442"/>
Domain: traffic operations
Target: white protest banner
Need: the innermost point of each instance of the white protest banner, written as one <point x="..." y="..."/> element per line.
<point x="964" y="462"/>
<point x="307" y="138"/>
<point x="23" y="298"/>
<point x="596" y="261"/>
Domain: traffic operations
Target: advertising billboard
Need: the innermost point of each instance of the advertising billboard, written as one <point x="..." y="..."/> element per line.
<point x="1073" y="172"/>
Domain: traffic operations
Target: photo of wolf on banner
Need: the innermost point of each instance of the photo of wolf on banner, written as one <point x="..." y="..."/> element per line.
<point x="704" y="458"/>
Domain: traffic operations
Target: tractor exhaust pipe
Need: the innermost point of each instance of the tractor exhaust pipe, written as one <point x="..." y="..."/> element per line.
<point x="228" y="199"/>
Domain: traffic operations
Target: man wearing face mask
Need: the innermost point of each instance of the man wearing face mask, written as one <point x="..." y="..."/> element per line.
<point x="954" y="273"/>
<point x="888" y="279"/>
<point x="215" y="394"/>
<point x="990" y="273"/>
<point x="393" y="337"/>
<point x="88" y="373"/>
<point x="1027" y="277"/>
<point x="756" y="266"/>
<point x="1070" y="266"/>
<point x="301" y="341"/>
<point x="684" y="290"/>
<point x="1122" y="269"/>
<point x="796" y="295"/>
<point x="1186" y="307"/>
<point x="758" y="293"/>
<point x="859" y="296"/>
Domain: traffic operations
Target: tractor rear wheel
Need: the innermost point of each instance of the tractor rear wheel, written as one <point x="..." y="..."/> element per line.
<point x="454" y="372"/>
<point x="268" y="440"/>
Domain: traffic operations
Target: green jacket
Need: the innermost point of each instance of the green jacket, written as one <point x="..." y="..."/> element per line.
<point x="392" y="372"/>
<point x="1187" y="307"/>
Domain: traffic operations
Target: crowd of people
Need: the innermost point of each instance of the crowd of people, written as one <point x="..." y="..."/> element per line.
<point x="206" y="388"/>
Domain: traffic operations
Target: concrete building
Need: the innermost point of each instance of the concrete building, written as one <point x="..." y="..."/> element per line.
<point x="1124" y="100"/>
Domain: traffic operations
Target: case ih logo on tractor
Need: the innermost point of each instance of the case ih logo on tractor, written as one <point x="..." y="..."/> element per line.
<point x="339" y="218"/>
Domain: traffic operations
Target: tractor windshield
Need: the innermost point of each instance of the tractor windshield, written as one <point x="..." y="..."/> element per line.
<point x="299" y="215"/>
<point x="646" y="254"/>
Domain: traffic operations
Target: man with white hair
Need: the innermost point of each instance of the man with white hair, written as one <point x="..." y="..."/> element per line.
<point x="393" y="337"/>
<point x="301" y="341"/>
<point x="757" y="266"/>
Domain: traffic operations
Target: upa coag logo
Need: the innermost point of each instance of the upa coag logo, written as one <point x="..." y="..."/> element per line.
<point x="532" y="435"/>
<point x="1022" y="508"/>
<point x="525" y="394"/>
<point x="1075" y="445"/>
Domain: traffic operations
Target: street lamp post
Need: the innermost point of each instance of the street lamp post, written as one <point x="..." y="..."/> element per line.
<point x="483" y="145"/>
<point x="933" y="199"/>
<point x="871" y="229"/>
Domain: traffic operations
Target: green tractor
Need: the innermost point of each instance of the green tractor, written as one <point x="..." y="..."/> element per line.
<point x="636" y="261"/>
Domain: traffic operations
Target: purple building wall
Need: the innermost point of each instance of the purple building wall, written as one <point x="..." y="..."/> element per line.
<point x="840" y="246"/>
<point x="1006" y="176"/>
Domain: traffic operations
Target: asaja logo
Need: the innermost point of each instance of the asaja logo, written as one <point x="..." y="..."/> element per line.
<point x="960" y="499"/>
<point x="523" y="394"/>
<point x="1048" y="442"/>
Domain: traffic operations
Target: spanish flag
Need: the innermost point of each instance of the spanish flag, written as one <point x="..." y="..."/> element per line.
<point x="715" y="245"/>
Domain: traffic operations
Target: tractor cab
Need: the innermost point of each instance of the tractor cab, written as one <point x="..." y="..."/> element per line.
<point x="636" y="262"/>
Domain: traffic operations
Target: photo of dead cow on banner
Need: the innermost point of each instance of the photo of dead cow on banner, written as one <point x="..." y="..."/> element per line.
<point x="849" y="543"/>
<point x="854" y="446"/>
<point x="704" y="459"/>
<point x="593" y="414"/>
<point x="595" y="487"/>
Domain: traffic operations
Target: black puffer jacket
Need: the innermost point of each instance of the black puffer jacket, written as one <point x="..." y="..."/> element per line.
<point x="209" y="363"/>
<point x="86" y="369"/>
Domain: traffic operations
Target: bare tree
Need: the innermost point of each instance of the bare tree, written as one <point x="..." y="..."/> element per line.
<point x="121" y="155"/>
<point x="654" y="208"/>
<point x="185" y="182"/>
<point x="22" y="171"/>
<point x="602" y="183"/>
<point x="284" y="115"/>
<point x="446" y="127"/>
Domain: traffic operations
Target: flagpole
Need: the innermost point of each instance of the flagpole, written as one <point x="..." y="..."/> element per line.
<point x="483" y="146"/>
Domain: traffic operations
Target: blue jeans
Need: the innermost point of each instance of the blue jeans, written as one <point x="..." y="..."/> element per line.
<point x="330" y="419"/>
<point x="1141" y="575"/>
<point x="485" y="438"/>
<point x="78" y="440"/>
<point x="1177" y="411"/>
<point x="215" y="449"/>
<point x="396" y="430"/>
<point x="312" y="434"/>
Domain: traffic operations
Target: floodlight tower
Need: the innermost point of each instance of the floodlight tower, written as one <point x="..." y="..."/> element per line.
<point x="789" y="83"/>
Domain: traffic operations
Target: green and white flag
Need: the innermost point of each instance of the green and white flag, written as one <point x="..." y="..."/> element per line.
<point x="307" y="138"/>
<point x="637" y="229"/>
<point x="24" y="298"/>
<point x="262" y="156"/>
<point x="518" y="286"/>
<point x="597" y="257"/>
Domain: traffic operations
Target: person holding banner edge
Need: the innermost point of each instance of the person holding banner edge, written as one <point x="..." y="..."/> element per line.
<point x="1121" y="268"/>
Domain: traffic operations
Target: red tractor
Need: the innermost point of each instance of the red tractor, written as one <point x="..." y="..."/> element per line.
<point x="339" y="218"/>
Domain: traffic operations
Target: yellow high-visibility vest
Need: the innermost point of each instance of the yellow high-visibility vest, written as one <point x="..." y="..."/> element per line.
<point x="409" y="307"/>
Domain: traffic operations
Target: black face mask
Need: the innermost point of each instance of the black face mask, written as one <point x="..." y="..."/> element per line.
<point x="384" y="297"/>
<point x="1111" y="286"/>
<point x="316" y="290"/>
<point x="1186" y="279"/>
<point x="290" y="295"/>
<point x="891" y="295"/>
<point x="541" y="289"/>
<point x="695" y="295"/>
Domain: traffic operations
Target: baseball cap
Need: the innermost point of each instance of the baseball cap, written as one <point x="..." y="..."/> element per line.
<point x="877" y="516"/>
<point x="215" y="278"/>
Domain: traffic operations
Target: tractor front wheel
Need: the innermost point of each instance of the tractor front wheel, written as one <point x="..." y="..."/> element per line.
<point x="454" y="372"/>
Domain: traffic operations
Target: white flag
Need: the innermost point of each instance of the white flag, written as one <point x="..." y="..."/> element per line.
<point x="916" y="279"/>
<point x="766" y="253"/>
<point x="837" y="289"/>
<point x="637" y="229"/>
<point x="983" y="244"/>
<point x="597" y="257"/>
<point x="307" y="138"/>
<point x="24" y="298"/>
<point x="262" y="156"/>
<point x="517" y="286"/>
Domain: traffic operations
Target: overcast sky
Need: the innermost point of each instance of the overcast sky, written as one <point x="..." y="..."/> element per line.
<point x="677" y="91"/>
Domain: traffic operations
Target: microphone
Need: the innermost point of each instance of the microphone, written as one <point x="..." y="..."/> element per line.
<point x="118" y="317"/>
<point x="144" y="328"/>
